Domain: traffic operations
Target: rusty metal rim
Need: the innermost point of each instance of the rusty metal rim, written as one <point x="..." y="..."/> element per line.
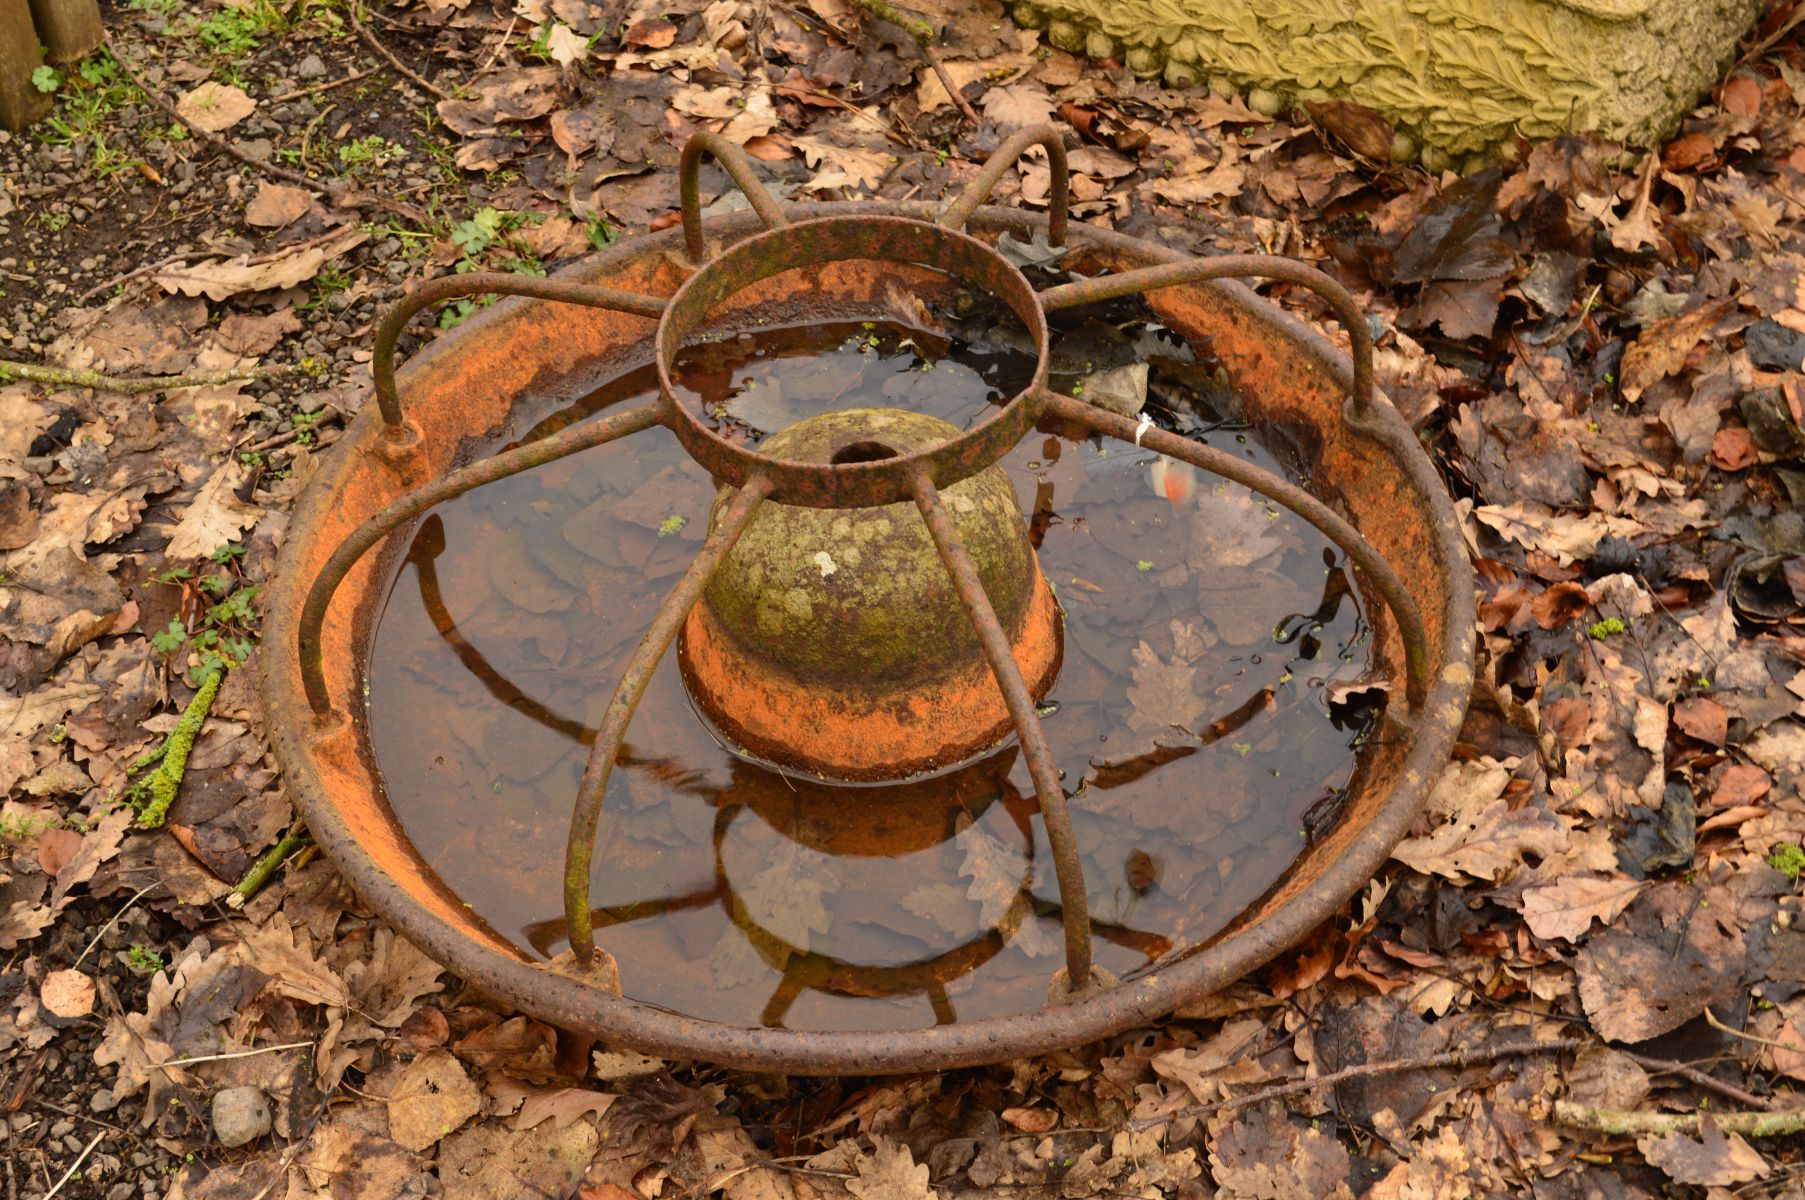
<point x="568" y="1002"/>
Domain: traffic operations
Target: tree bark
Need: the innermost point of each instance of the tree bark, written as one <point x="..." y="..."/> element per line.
<point x="71" y="28"/>
<point x="21" y="102"/>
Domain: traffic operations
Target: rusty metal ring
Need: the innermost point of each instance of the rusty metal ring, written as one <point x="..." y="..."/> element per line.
<point x="820" y="244"/>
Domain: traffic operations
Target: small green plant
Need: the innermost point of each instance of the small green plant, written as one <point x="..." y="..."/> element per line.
<point x="305" y="424"/>
<point x="331" y="281"/>
<point x="373" y="150"/>
<point x="1788" y="859"/>
<point x="236" y="32"/>
<point x="671" y="525"/>
<point x="22" y="827"/>
<point x="143" y="960"/>
<point x="600" y="233"/>
<point x="1600" y="630"/>
<point x="46" y="79"/>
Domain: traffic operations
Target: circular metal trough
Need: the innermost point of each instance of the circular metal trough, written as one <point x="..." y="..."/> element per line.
<point x="1373" y="491"/>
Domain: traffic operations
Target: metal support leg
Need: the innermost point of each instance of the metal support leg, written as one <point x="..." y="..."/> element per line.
<point x="1060" y="839"/>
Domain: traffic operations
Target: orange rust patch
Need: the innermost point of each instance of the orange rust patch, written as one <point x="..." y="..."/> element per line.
<point x="850" y="732"/>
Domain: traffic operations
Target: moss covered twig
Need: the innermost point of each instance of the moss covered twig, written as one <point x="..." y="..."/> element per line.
<point x="154" y="793"/>
<point x="133" y="385"/>
<point x="1619" y="1123"/>
<point x="924" y="35"/>
<point x="266" y="867"/>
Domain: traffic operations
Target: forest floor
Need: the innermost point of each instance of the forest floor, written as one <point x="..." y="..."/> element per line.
<point x="1601" y="348"/>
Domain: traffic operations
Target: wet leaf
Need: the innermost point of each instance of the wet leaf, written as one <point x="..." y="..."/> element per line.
<point x="1262" y="1155"/>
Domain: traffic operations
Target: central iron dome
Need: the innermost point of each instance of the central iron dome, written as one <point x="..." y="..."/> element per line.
<point x="832" y="642"/>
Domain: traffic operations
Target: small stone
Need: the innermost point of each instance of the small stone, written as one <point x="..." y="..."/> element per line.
<point x="120" y="1191"/>
<point x="240" y="1116"/>
<point x="102" y="1101"/>
<point x="311" y="67"/>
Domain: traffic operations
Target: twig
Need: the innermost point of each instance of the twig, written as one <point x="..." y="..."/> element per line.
<point x="213" y="140"/>
<point x="317" y="88"/>
<point x="1789" y="1047"/>
<point x="157" y="791"/>
<point x="407" y="72"/>
<point x="1634" y="1124"/>
<point x="923" y="33"/>
<point x="1450" y="1058"/>
<point x="136" y="385"/>
<point x="1729" y="1091"/>
<point x="495" y="53"/>
<point x="206" y="1058"/>
<point x="263" y="868"/>
<point x="76" y="1165"/>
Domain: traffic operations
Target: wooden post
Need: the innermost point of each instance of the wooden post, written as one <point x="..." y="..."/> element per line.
<point x="21" y="102"/>
<point x="70" y="28"/>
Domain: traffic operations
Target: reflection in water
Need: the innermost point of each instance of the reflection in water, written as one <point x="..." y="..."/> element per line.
<point x="1190" y="722"/>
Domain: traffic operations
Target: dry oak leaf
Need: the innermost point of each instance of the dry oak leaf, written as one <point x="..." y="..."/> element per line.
<point x="1561" y="536"/>
<point x="212" y="107"/>
<point x="561" y="1106"/>
<point x="1482" y="838"/>
<point x="889" y="1172"/>
<point x="223" y="280"/>
<point x="1664" y="346"/>
<point x="215" y="517"/>
<point x="1224" y="179"/>
<point x="1565" y="909"/>
<point x="1712" y="1161"/>
<point x="847" y="166"/>
<point x="432" y="1098"/>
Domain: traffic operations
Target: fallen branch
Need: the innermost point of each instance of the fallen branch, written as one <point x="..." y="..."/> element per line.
<point x="157" y="791"/>
<point x="264" y="868"/>
<point x="1450" y="1058"/>
<point x="923" y="33"/>
<point x="407" y="72"/>
<point x="1637" y="1124"/>
<point x="135" y="385"/>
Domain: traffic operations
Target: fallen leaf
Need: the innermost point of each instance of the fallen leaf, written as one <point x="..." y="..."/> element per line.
<point x="492" y="1162"/>
<point x="1664" y="960"/>
<point x="561" y="1107"/>
<point x="889" y="1172"/>
<point x="223" y="280"/>
<point x="212" y="107"/>
<point x="432" y="1097"/>
<point x="1712" y="1161"/>
<point x="566" y="45"/>
<point x="1565" y="909"/>
<point x="216" y="516"/>
<point x="1663" y="347"/>
<point x="275" y="205"/>
<point x="1263" y="1155"/>
<point x="1481" y="838"/>
<point x="1018" y="105"/>
<point x="67" y="993"/>
<point x="1702" y="718"/>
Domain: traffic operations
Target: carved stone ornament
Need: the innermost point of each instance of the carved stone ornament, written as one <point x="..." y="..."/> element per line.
<point x="1456" y="77"/>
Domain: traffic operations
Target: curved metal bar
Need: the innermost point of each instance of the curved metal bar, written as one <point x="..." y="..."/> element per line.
<point x="1288" y="495"/>
<point x="978" y="190"/>
<point x="733" y="160"/>
<point x="638" y="675"/>
<point x="1237" y="266"/>
<point x="485" y="283"/>
<point x="418" y="501"/>
<point x="1048" y="790"/>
